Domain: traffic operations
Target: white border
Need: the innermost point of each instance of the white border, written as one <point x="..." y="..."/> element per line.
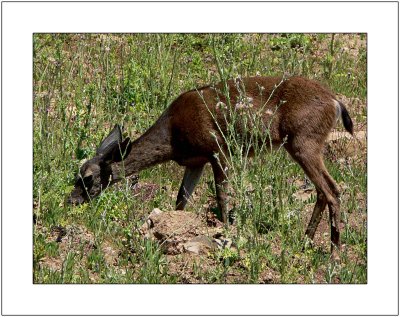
<point x="379" y="296"/>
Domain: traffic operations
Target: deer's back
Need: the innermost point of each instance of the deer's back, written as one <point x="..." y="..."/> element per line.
<point x="198" y="118"/>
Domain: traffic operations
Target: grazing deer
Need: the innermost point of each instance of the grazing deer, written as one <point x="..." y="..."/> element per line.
<point x="298" y="112"/>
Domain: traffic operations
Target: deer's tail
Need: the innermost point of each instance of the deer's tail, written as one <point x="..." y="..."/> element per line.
<point x="347" y="122"/>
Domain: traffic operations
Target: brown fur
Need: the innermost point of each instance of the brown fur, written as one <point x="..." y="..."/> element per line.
<point x="296" y="112"/>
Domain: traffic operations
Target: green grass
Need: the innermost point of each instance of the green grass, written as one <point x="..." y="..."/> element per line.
<point x="84" y="84"/>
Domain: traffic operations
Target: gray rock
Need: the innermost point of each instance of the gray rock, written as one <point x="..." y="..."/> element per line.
<point x="199" y="245"/>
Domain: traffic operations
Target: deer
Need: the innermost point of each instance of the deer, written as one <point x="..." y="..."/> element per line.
<point x="297" y="112"/>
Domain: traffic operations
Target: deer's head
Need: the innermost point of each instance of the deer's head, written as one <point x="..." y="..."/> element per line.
<point x="95" y="174"/>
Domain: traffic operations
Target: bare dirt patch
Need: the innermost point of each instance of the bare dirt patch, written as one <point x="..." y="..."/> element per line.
<point x="191" y="243"/>
<point x="183" y="232"/>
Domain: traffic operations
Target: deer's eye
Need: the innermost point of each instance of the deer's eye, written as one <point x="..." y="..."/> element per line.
<point x="88" y="181"/>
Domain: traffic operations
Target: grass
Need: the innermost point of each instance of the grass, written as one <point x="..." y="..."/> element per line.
<point x="86" y="83"/>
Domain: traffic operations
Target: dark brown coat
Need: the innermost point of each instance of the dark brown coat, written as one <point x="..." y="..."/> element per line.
<point x="296" y="112"/>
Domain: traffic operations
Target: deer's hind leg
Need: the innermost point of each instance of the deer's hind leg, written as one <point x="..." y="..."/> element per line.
<point x="189" y="182"/>
<point x="309" y="156"/>
<point x="316" y="215"/>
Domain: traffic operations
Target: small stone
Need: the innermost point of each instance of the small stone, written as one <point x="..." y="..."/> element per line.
<point x="155" y="212"/>
<point x="199" y="245"/>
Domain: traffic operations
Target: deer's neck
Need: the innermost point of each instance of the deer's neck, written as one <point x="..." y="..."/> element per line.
<point x="153" y="147"/>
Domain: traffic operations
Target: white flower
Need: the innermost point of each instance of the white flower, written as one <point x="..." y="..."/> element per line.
<point x="220" y="105"/>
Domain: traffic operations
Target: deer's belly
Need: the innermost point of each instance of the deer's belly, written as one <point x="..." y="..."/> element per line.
<point x="192" y="161"/>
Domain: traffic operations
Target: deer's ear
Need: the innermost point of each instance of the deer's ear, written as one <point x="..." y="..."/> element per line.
<point x="119" y="152"/>
<point x="110" y="143"/>
<point x="122" y="150"/>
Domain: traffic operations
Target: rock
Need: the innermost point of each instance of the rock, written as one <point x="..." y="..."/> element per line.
<point x="154" y="213"/>
<point x="171" y="229"/>
<point x="199" y="245"/>
<point x="183" y="231"/>
<point x="145" y="229"/>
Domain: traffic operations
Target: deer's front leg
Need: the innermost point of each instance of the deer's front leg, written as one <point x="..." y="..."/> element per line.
<point x="221" y="187"/>
<point x="189" y="182"/>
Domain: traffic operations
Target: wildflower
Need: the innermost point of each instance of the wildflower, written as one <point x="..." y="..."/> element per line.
<point x="220" y="105"/>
